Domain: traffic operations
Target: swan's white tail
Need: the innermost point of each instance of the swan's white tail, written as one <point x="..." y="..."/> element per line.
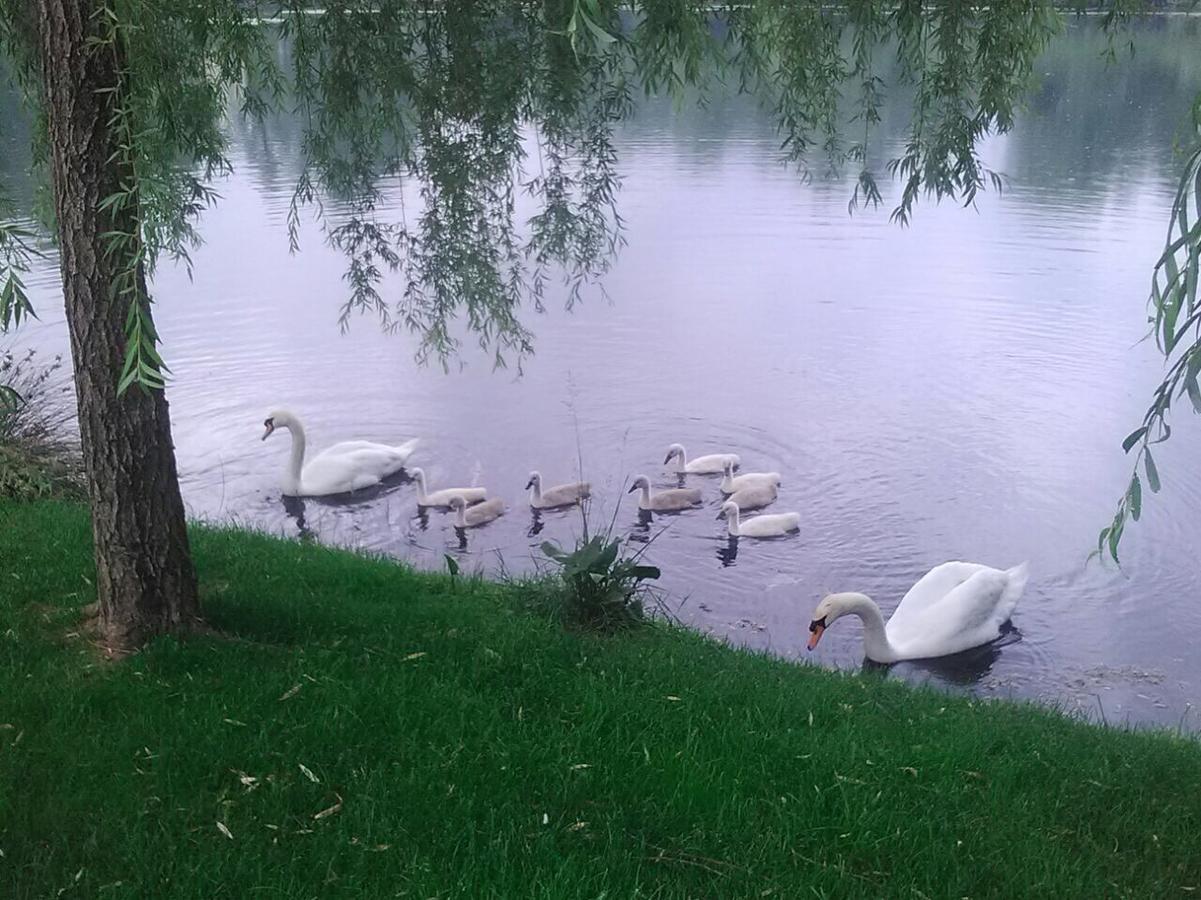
<point x="406" y="449"/>
<point x="1018" y="576"/>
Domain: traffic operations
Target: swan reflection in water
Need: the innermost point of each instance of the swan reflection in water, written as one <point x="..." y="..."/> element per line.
<point x="422" y="518"/>
<point x="294" y="509"/>
<point x="727" y="552"/>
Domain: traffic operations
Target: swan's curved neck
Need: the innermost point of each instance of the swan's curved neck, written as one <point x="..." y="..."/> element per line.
<point x="875" y="638"/>
<point x="645" y="497"/>
<point x="296" y="463"/>
<point x="460" y="516"/>
<point x="733" y="522"/>
<point x="422" y="493"/>
<point x="681" y="461"/>
<point x="727" y="481"/>
<point x="536" y="492"/>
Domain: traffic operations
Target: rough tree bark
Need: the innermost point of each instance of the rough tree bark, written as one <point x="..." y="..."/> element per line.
<point x="145" y="582"/>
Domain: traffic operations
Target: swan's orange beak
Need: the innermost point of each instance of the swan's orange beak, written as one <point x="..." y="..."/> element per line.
<point x="816" y="629"/>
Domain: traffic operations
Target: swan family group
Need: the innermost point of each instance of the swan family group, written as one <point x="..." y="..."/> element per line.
<point x="954" y="607"/>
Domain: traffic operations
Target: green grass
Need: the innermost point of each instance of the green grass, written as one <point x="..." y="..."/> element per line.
<point x="479" y="750"/>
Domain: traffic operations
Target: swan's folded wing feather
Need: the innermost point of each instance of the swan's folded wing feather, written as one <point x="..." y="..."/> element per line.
<point x="344" y="467"/>
<point x="966" y="616"/>
<point x="364" y="480"/>
<point x="346" y="447"/>
<point x="930" y="589"/>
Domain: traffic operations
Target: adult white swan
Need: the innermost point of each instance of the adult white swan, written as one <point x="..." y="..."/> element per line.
<point x="671" y="500"/>
<point x="340" y="469"/>
<point x="702" y="465"/>
<point x="770" y="525"/>
<point x="954" y="607"/>
<point x="559" y="495"/>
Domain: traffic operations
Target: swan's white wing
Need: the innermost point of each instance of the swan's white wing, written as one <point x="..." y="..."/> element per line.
<point x="772" y="525"/>
<point x="353" y="448"/>
<point x="931" y="588"/>
<point x="346" y="447"/>
<point x="364" y="480"/>
<point x="969" y="615"/>
<point x="711" y="464"/>
<point x="350" y="466"/>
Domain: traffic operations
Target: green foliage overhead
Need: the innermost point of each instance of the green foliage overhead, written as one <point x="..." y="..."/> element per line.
<point x="1175" y="319"/>
<point x="452" y="100"/>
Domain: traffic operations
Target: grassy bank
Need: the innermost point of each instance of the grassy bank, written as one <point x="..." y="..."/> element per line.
<point x="375" y="732"/>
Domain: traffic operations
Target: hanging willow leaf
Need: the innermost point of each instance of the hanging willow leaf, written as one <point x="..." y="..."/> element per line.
<point x="1133" y="438"/>
<point x="1176" y="325"/>
<point x="1152" y="471"/>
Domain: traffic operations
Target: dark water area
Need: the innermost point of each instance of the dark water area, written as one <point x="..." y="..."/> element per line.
<point x="957" y="389"/>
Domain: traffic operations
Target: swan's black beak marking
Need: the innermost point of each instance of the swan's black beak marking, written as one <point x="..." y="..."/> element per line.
<point x="667" y="458"/>
<point x="633" y="487"/>
<point x="529" y="484"/>
<point x="270" y="424"/>
<point x="816" y="628"/>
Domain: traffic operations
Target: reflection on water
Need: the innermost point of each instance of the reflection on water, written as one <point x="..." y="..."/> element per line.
<point x="957" y="389"/>
<point x="964" y="669"/>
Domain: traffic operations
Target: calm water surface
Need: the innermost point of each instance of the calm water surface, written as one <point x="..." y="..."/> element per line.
<point x="958" y="389"/>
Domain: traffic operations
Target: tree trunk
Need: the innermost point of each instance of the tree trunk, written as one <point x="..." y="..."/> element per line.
<point x="145" y="583"/>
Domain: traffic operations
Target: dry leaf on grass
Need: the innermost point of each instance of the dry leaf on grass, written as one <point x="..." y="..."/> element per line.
<point x="308" y="773"/>
<point x="329" y="811"/>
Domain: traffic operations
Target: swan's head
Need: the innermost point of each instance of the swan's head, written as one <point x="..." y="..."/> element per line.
<point x="729" y="510"/>
<point x="417" y="474"/>
<point x="672" y="452"/>
<point x="456" y="503"/>
<point x="727" y="466"/>
<point x="640" y="482"/>
<point x="832" y="608"/>
<point x="279" y="418"/>
<point x="535" y="479"/>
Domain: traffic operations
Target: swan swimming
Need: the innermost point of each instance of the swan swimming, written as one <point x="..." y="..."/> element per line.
<point x="480" y="514"/>
<point x="340" y="469"/>
<point x="559" y="495"/>
<point x="731" y="482"/>
<point x="442" y="498"/>
<point x="702" y="465"/>
<point x="670" y="500"/>
<point x="770" y="525"/>
<point x="755" y="496"/>
<point x="954" y="607"/>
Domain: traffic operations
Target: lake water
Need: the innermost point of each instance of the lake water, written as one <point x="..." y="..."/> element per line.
<point x="957" y="389"/>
